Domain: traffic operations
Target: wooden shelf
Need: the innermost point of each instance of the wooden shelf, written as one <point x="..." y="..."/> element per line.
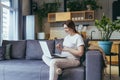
<point x="75" y="16"/>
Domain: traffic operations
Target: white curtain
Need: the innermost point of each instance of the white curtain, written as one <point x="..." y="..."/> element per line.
<point x="8" y="20"/>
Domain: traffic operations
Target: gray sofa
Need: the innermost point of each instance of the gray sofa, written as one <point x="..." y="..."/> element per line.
<point x="22" y="60"/>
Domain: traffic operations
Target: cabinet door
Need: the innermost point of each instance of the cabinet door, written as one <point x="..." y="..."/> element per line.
<point x="63" y="16"/>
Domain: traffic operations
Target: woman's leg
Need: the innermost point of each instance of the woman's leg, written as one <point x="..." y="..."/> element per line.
<point x="61" y="63"/>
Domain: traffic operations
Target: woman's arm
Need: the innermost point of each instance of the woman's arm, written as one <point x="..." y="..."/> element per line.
<point x="77" y="52"/>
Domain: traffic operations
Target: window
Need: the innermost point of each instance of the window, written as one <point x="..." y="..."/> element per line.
<point x="8" y="22"/>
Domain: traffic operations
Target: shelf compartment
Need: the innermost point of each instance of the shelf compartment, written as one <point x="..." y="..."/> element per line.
<point x="62" y="16"/>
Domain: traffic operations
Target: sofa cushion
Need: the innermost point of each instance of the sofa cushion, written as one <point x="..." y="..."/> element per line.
<point x="60" y="41"/>
<point x="51" y="45"/>
<point x="74" y="73"/>
<point x="18" y="48"/>
<point x="33" y="50"/>
<point x="24" y="70"/>
<point x="2" y="53"/>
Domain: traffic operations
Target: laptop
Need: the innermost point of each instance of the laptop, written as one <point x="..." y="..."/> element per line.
<point x="46" y="51"/>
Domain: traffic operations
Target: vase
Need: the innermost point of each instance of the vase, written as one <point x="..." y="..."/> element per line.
<point x="41" y="35"/>
<point x="106" y="46"/>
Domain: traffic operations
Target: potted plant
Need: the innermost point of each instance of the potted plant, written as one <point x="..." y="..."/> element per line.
<point x="77" y="5"/>
<point x="73" y="5"/>
<point x="90" y="5"/>
<point x="106" y="26"/>
<point x="41" y="11"/>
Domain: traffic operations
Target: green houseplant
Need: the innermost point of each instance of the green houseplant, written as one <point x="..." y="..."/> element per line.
<point x="77" y="5"/>
<point x="106" y="27"/>
<point x="74" y="5"/>
<point x="42" y="11"/>
<point x="92" y="4"/>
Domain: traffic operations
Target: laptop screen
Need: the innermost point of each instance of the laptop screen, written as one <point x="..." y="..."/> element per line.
<point x="45" y="48"/>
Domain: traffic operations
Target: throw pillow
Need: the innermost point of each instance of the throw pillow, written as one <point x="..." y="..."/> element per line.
<point x="8" y="49"/>
<point x="1" y="53"/>
<point x="51" y="45"/>
<point x="18" y="49"/>
<point x="33" y="50"/>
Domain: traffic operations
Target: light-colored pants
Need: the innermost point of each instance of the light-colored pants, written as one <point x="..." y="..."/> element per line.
<point x="61" y="63"/>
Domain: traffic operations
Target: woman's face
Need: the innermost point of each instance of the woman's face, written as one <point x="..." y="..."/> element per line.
<point x="67" y="29"/>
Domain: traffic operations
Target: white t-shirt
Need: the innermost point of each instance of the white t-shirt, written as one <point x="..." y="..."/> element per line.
<point x="72" y="42"/>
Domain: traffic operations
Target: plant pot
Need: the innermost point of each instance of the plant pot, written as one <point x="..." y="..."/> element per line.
<point x="68" y="9"/>
<point x="106" y="46"/>
<point x="88" y="7"/>
<point x="41" y="35"/>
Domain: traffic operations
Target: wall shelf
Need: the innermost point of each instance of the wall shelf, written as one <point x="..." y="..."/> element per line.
<point x="87" y="15"/>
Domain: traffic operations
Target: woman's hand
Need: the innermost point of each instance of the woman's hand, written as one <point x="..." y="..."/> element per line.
<point x="59" y="47"/>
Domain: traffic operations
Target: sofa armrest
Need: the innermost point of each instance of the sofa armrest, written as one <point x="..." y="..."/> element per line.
<point x="94" y="65"/>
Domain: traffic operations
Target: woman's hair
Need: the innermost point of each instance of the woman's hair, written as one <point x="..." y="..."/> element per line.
<point x="71" y="24"/>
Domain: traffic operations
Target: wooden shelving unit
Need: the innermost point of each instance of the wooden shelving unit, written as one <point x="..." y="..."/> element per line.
<point x="75" y="16"/>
